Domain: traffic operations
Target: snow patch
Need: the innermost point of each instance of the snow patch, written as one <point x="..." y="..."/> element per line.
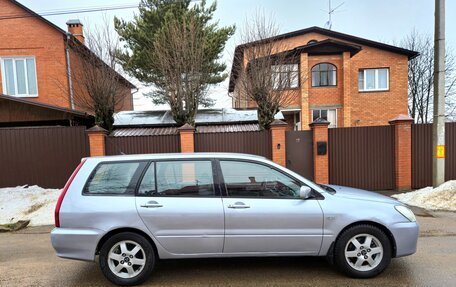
<point x="28" y="202"/>
<point x="442" y="197"/>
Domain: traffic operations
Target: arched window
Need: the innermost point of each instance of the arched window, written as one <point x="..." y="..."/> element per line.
<point x="313" y="41"/>
<point x="323" y="75"/>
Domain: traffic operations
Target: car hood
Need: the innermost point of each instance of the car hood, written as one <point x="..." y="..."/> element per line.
<point x="360" y="194"/>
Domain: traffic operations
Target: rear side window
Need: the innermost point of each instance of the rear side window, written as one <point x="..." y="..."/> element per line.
<point x="178" y="178"/>
<point x="114" y="178"/>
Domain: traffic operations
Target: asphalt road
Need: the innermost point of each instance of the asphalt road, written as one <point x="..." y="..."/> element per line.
<point x="27" y="259"/>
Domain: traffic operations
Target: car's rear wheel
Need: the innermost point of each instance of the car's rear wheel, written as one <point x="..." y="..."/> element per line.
<point x="127" y="259"/>
<point x="362" y="251"/>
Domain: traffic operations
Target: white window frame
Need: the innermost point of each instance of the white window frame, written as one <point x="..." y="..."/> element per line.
<point x="332" y="125"/>
<point x="3" y="71"/>
<point x="376" y="89"/>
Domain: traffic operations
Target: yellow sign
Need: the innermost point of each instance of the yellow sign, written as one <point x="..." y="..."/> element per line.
<point x="440" y="151"/>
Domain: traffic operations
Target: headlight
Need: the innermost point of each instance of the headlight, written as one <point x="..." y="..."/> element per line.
<point x="407" y="213"/>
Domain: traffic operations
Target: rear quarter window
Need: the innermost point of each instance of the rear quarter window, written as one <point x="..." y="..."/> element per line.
<point x="114" y="178"/>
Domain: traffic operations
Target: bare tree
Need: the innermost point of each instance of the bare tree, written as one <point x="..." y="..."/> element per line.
<point x="98" y="87"/>
<point x="268" y="69"/>
<point x="421" y="77"/>
<point x="180" y="56"/>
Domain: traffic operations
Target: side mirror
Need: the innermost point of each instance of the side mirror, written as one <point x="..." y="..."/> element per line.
<point x="305" y="192"/>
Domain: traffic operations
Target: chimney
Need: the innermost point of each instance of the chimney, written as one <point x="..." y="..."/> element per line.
<point x="75" y="28"/>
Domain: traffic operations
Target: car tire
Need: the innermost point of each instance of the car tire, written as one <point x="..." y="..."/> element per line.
<point x="127" y="259"/>
<point x="362" y="251"/>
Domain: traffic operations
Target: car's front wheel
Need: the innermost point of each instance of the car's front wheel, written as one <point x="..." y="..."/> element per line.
<point x="362" y="251"/>
<point x="127" y="259"/>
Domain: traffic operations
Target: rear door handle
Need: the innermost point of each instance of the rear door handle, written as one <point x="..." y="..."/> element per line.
<point x="238" y="205"/>
<point x="152" y="204"/>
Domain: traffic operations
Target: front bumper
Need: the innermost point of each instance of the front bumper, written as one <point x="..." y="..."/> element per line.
<point x="75" y="243"/>
<point x="406" y="237"/>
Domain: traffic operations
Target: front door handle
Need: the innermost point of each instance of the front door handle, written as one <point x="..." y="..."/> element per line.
<point x="152" y="204"/>
<point x="238" y="205"/>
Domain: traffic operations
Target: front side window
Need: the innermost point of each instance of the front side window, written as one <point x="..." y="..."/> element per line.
<point x="179" y="178"/>
<point x="324" y="75"/>
<point x="116" y="178"/>
<point x="373" y="79"/>
<point x="19" y="76"/>
<point x="285" y="76"/>
<point x="246" y="179"/>
<point x="328" y="115"/>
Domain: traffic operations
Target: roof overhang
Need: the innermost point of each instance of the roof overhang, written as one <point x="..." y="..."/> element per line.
<point x="66" y="113"/>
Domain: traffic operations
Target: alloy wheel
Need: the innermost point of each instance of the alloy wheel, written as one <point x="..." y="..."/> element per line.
<point x="363" y="252"/>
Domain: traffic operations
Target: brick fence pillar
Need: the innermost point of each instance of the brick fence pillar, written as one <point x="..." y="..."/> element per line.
<point x="278" y="128"/>
<point x="97" y="144"/>
<point x="320" y="158"/>
<point x="187" y="141"/>
<point x="403" y="151"/>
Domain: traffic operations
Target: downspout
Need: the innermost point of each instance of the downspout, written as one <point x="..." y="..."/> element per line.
<point x="132" y="99"/>
<point x="70" y="80"/>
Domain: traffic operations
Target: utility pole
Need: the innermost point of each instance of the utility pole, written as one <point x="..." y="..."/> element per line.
<point x="438" y="125"/>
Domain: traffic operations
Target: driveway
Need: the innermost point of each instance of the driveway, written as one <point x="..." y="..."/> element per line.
<point x="27" y="259"/>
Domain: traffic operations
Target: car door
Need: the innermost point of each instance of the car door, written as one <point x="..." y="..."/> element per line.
<point x="264" y="214"/>
<point x="180" y="205"/>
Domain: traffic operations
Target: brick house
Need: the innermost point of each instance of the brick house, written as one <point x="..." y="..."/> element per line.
<point x="349" y="81"/>
<point x="38" y="60"/>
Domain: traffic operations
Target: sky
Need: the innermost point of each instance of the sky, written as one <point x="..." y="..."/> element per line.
<point x="385" y="21"/>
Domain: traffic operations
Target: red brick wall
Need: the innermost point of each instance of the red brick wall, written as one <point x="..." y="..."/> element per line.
<point x="403" y="154"/>
<point x="97" y="144"/>
<point x="187" y="141"/>
<point x="321" y="162"/>
<point x="278" y="144"/>
<point x="376" y="108"/>
<point x="32" y="37"/>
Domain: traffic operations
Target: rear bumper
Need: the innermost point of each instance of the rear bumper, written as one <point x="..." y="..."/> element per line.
<point x="75" y="243"/>
<point x="406" y="237"/>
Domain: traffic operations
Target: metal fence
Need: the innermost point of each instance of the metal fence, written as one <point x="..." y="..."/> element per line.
<point x="45" y="156"/>
<point x="362" y="157"/>
<point x="300" y="153"/>
<point x="142" y="144"/>
<point x="258" y="143"/>
<point x="422" y="154"/>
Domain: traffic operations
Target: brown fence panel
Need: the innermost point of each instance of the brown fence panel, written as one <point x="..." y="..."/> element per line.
<point x="299" y="153"/>
<point x="450" y="156"/>
<point x="45" y="156"/>
<point x="362" y="157"/>
<point x="142" y="144"/>
<point x="422" y="154"/>
<point x="258" y="143"/>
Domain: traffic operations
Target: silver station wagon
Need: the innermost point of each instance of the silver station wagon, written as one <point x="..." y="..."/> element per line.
<point x="134" y="210"/>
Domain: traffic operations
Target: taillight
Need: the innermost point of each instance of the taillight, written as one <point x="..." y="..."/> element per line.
<point x="64" y="190"/>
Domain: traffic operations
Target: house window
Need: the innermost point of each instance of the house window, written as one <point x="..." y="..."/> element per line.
<point x="324" y="75"/>
<point x="285" y="76"/>
<point x="329" y="115"/>
<point x="19" y="76"/>
<point x="373" y="79"/>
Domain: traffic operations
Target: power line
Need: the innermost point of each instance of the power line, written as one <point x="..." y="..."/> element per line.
<point x="70" y="11"/>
